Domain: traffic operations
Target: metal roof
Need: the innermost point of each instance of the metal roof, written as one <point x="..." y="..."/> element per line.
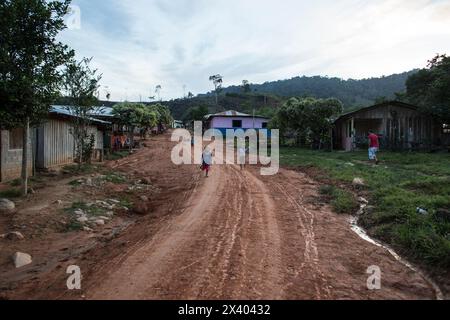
<point x="232" y="113"/>
<point x="383" y="104"/>
<point x="103" y="111"/>
<point x="65" y="111"/>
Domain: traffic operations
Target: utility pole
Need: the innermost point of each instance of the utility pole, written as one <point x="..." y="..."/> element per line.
<point x="254" y="111"/>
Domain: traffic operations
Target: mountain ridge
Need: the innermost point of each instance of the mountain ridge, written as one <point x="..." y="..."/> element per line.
<point x="352" y="92"/>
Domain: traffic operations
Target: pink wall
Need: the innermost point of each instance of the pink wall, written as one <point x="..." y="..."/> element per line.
<point x="227" y="122"/>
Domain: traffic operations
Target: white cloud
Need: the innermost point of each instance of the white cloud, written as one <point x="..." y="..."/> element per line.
<point x="139" y="44"/>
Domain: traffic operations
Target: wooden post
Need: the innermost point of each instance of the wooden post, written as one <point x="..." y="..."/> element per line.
<point x="331" y="140"/>
<point x="353" y="133"/>
<point x="26" y="133"/>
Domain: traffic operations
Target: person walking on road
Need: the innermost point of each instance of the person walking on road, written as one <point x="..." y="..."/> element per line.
<point x="206" y="161"/>
<point x="374" y="147"/>
<point x="242" y="153"/>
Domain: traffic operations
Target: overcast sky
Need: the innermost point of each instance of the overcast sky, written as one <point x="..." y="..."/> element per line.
<point x="138" y="44"/>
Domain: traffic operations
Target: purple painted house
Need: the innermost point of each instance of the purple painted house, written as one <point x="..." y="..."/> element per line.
<point x="235" y="120"/>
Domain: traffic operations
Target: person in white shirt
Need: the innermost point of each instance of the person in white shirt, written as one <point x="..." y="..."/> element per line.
<point x="242" y="153"/>
<point x="206" y="161"/>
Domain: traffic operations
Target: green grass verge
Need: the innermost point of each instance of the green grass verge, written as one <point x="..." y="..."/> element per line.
<point x="16" y="183"/>
<point x="83" y="169"/>
<point x="397" y="187"/>
<point x="341" y="200"/>
<point x="117" y="155"/>
<point x="11" y="193"/>
<point x="115" y="178"/>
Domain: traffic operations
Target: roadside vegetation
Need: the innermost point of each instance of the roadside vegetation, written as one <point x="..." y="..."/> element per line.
<point x="11" y="193"/>
<point x="117" y="155"/>
<point x="399" y="186"/>
<point x="341" y="200"/>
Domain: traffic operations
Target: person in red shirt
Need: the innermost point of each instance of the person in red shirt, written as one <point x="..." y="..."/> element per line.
<point x="374" y="147"/>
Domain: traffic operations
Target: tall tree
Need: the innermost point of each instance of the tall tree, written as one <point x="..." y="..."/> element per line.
<point x="430" y="88"/>
<point x="217" y="80"/>
<point x="165" y="118"/>
<point x="81" y="84"/>
<point x="197" y="113"/>
<point x="158" y="89"/>
<point x="150" y="118"/>
<point x="246" y="86"/>
<point x="308" y="120"/>
<point x="30" y="61"/>
<point x="130" y="115"/>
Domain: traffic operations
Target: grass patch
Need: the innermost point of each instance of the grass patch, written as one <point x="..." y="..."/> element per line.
<point x="117" y="155"/>
<point x="107" y="176"/>
<point x="74" y="225"/>
<point x="342" y="201"/>
<point x="115" y="178"/>
<point x="16" y="183"/>
<point x="75" y="183"/>
<point x="11" y="193"/>
<point x="92" y="210"/>
<point x="398" y="186"/>
<point x="83" y="169"/>
<point x="125" y="201"/>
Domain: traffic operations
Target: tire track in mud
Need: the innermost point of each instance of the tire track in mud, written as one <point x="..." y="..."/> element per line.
<point x="311" y="239"/>
<point x="257" y="265"/>
<point x="335" y="262"/>
<point x="238" y="235"/>
<point x="218" y="238"/>
<point x="271" y="262"/>
<point x="233" y="248"/>
<point x="237" y="265"/>
<point x="122" y="256"/>
<point x="241" y="236"/>
<point x="311" y="253"/>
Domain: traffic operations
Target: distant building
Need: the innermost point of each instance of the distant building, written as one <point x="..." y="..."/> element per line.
<point x="177" y="124"/>
<point x="235" y="120"/>
<point x="399" y="125"/>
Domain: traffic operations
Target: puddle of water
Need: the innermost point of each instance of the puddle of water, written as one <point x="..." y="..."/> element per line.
<point x="363" y="235"/>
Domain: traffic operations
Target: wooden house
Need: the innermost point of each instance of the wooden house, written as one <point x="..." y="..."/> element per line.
<point x="399" y="125"/>
<point x="233" y="120"/>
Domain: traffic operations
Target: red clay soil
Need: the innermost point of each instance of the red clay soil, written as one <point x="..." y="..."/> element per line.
<point x="234" y="235"/>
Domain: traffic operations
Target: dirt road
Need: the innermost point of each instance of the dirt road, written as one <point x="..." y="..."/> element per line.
<point x="238" y="235"/>
<point x="234" y="235"/>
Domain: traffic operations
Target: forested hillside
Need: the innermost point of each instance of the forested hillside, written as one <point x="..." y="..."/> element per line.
<point x="267" y="97"/>
<point x="193" y="109"/>
<point x="351" y="92"/>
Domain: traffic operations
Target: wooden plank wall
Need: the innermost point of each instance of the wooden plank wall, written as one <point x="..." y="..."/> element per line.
<point x="402" y="128"/>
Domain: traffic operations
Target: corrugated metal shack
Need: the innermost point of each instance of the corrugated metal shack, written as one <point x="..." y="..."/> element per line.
<point x="51" y="145"/>
<point x="55" y="143"/>
<point x="399" y="125"/>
